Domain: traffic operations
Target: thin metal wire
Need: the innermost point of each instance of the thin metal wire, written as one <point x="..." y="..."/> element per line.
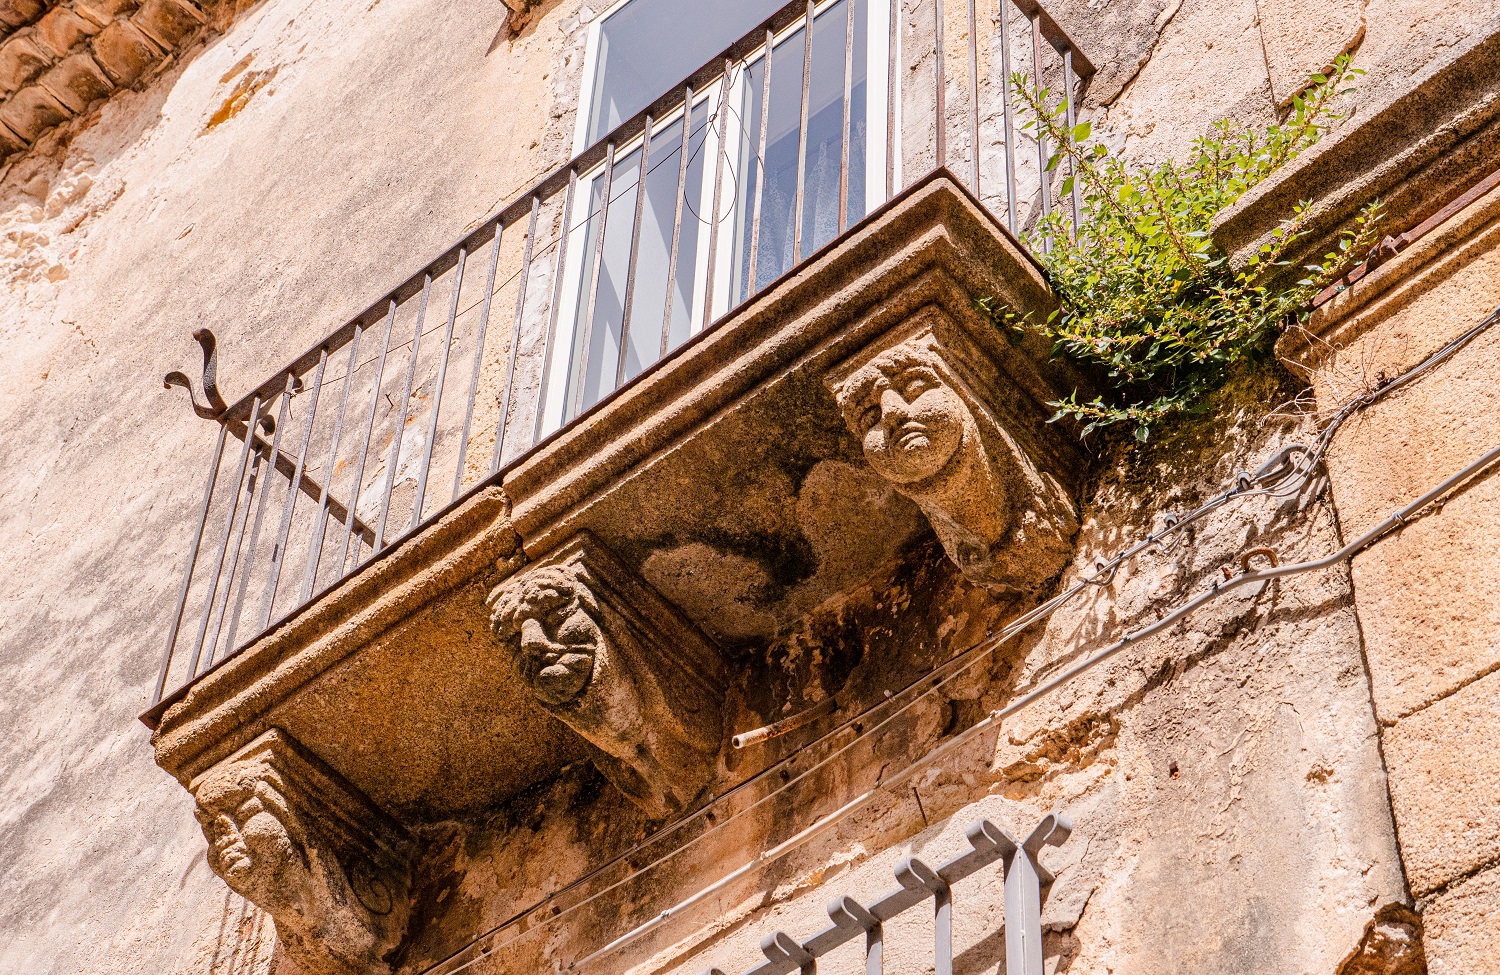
<point x="557" y="278"/>
<point x="807" y="51"/>
<point x="974" y="100"/>
<point x="1008" y="110"/>
<point x="1280" y="477"/>
<point x="760" y="164"/>
<point x="320" y="524"/>
<point x="635" y="252"/>
<point x="721" y="158"/>
<point x="677" y="202"/>
<point x="583" y="342"/>
<point x="293" y="489"/>
<point x="260" y="509"/>
<point x="437" y="394"/>
<point x="846" y="135"/>
<point x="234" y="511"/>
<point x="402" y="416"/>
<point x="480" y="332"/>
<point x="939" y="86"/>
<point x="187" y="576"/>
<point x="357" y="484"/>
<point x="515" y="344"/>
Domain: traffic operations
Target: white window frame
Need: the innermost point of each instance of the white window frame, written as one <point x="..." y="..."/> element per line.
<point x="558" y="382"/>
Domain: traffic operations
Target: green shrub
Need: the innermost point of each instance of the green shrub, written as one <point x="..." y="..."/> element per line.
<point x="1143" y="292"/>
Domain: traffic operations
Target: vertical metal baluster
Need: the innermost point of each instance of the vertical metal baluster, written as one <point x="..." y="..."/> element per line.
<point x="807" y="29"/>
<point x="682" y="168"/>
<point x="760" y="165"/>
<point x="437" y="392"/>
<point x="557" y="278"/>
<point x="234" y="515"/>
<point x="320" y="524"/>
<point x="846" y="136"/>
<point x="942" y="948"/>
<point x="364" y="448"/>
<point x="293" y="490"/>
<point x="479" y="350"/>
<point x="583" y="342"/>
<point x="721" y="156"/>
<point x="1072" y="124"/>
<point x="892" y="96"/>
<point x="875" y="951"/>
<point x="411" y="372"/>
<point x="1010" y="148"/>
<point x="939" y="84"/>
<point x="515" y="336"/>
<point x="1041" y="136"/>
<point x="187" y="577"/>
<point x="635" y="251"/>
<point x="260" y="510"/>
<point x="252" y="481"/>
<point x="974" y="97"/>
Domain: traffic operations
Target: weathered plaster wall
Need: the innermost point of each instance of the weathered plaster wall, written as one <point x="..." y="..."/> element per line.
<point x="283" y="173"/>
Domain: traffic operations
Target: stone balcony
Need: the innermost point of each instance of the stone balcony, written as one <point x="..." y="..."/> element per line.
<point x="597" y="598"/>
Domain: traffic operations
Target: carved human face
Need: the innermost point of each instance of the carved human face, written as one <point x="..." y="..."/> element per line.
<point x="909" y="421"/>
<point x="249" y="844"/>
<point x="557" y="638"/>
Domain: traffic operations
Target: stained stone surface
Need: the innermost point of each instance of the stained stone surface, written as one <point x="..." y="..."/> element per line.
<point x="349" y="143"/>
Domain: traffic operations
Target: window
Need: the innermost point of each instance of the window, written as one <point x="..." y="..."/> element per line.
<point x="632" y="297"/>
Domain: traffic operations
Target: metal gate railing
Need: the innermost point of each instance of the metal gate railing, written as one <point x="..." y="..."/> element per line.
<point x="509" y="335"/>
<point x="1025" y="880"/>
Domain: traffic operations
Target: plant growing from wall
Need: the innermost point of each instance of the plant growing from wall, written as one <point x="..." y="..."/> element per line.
<point x="1143" y="292"/>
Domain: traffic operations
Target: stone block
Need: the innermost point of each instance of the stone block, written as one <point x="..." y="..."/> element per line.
<point x="1428" y="599"/>
<point x="10" y="143"/>
<point x="33" y="111"/>
<point x="168" y="22"/>
<point x="21" y="60"/>
<point x="104" y="12"/>
<point x="124" y="53"/>
<point x="1444" y="774"/>
<point x="77" y="82"/>
<point x="63" y="28"/>
<point x="1462" y="926"/>
<point x="1414" y="151"/>
<point x="19" y="13"/>
<point x="1303" y="39"/>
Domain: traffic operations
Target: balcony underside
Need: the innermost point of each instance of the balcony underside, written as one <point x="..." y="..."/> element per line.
<point x="725" y="477"/>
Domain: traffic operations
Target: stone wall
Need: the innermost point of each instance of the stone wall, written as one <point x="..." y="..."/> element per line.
<point x="292" y="163"/>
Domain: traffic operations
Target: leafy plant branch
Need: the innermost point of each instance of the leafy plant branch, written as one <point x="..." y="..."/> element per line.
<point x="1143" y="292"/>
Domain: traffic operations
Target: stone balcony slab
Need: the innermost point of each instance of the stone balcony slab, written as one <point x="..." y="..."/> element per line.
<point x="717" y="499"/>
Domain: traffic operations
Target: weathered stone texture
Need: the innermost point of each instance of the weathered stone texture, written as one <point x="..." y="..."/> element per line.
<point x="1445" y="775"/>
<point x="1462" y="927"/>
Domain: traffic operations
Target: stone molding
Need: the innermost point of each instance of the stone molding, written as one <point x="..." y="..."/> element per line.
<point x="936" y="419"/>
<point x="290" y="835"/>
<point x="1415" y="151"/>
<point x="607" y="655"/>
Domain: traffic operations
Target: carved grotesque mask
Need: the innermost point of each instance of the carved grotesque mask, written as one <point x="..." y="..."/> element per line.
<point x="550" y="619"/>
<point x="250" y="842"/>
<point x="909" y="421"/>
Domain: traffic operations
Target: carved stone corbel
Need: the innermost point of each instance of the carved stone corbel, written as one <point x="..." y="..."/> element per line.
<point x="291" y="836"/>
<point x="940" y="421"/>
<point x="613" y="660"/>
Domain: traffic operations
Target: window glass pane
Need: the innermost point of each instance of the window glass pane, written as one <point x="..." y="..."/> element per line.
<point x="648" y="46"/>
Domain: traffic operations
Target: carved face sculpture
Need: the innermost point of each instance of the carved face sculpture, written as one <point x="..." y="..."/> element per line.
<point x="910" y="422"/>
<point x="250" y="831"/>
<point x="550" y="617"/>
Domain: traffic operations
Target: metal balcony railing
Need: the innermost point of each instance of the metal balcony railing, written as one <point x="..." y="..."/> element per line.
<point x="725" y="184"/>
